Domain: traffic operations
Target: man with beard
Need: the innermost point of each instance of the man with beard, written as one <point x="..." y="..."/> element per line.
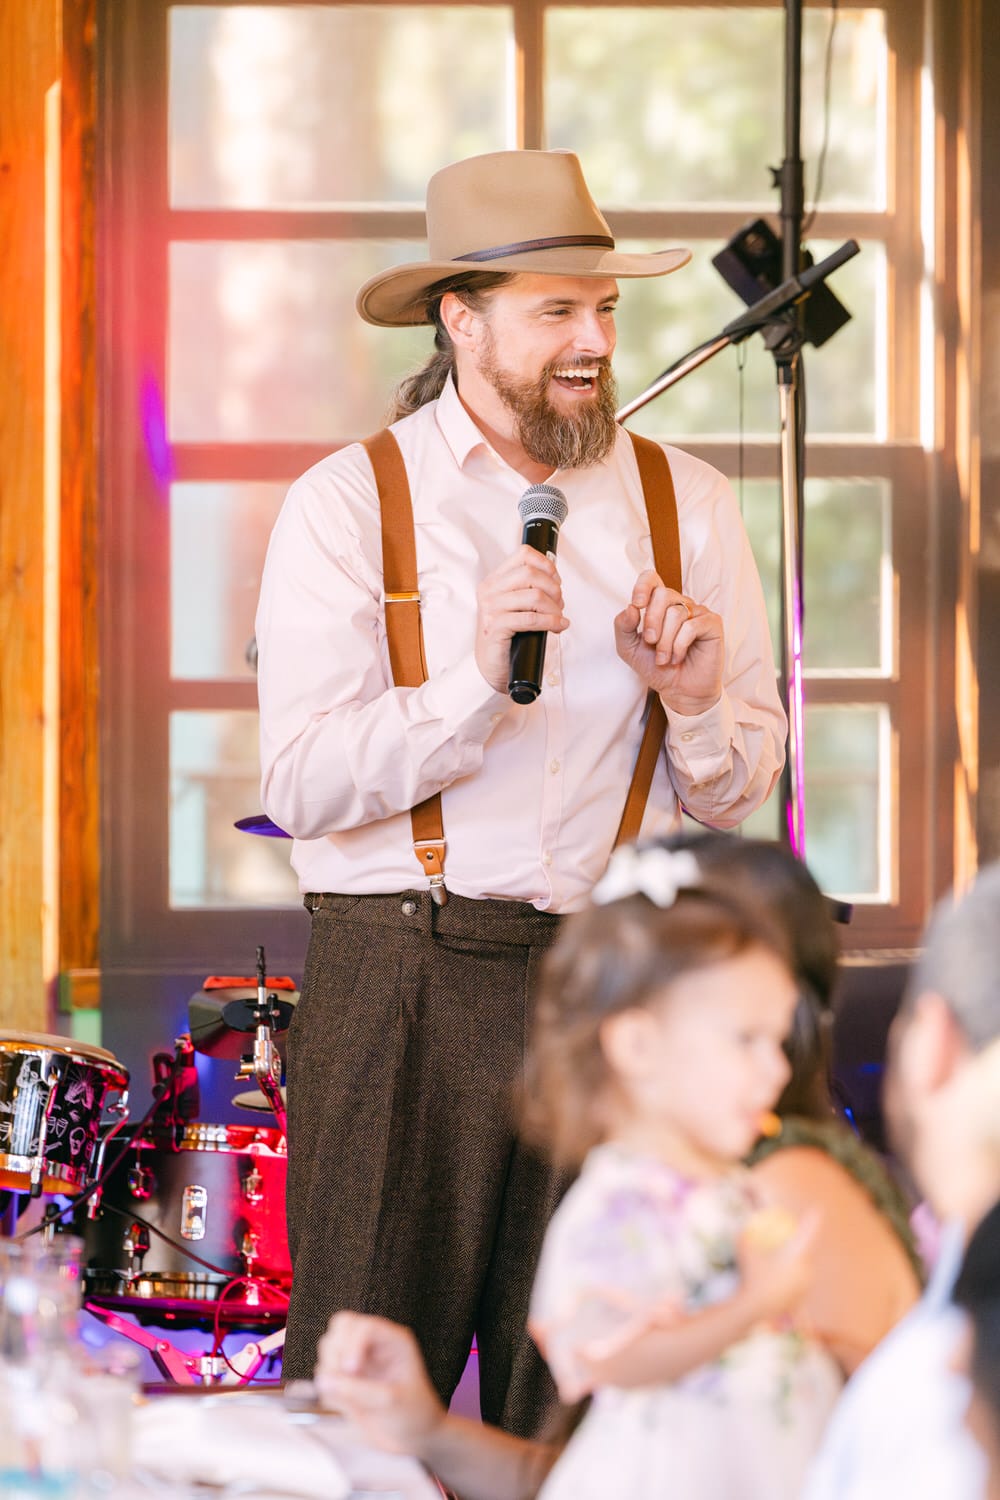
<point x="408" y="1193"/>
<point x="899" y="1428"/>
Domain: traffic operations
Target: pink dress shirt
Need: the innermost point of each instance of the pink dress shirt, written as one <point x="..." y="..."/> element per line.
<point x="532" y="794"/>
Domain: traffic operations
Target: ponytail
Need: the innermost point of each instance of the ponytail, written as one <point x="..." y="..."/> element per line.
<point x="427" y="383"/>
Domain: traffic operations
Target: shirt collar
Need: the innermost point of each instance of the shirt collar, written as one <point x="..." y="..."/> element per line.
<point x="457" y="427"/>
<point x="948" y="1263"/>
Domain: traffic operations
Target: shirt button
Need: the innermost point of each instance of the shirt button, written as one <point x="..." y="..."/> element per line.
<point x="495" y="718"/>
<point x="409" y="907"/>
<point x="553" y="679"/>
<point x="554" y="766"/>
<point x="547" y="857"/>
<point x="688" y="735"/>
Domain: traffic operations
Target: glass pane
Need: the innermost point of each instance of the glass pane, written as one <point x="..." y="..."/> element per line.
<point x="692" y="109"/>
<point x="662" y="318"/>
<point x="277" y="105"/>
<point x="847" y="587"/>
<point x="847" y="786"/>
<point x="215" y="780"/>
<point x="218" y="537"/>
<point x="265" y="344"/>
<point x="847" y="775"/>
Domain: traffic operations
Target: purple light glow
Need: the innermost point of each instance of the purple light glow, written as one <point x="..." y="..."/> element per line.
<point x="154" y="431"/>
<point x="796" y="811"/>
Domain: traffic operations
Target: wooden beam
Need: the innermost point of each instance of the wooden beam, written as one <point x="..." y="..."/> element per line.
<point x="29" y="34"/>
<point x="79" y="794"/>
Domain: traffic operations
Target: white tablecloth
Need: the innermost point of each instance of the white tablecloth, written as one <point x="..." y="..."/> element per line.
<point x="246" y="1445"/>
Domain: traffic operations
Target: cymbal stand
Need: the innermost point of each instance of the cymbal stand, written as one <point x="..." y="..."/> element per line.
<point x="784" y="334"/>
<point x="771" y="315"/>
<point x="264" y="1063"/>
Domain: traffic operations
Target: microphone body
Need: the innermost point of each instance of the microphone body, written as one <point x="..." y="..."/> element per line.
<point x="542" y="509"/>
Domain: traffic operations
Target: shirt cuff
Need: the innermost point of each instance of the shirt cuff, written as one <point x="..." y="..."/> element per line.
<point x="465" y="703"/>
<point x="700" y="744"/>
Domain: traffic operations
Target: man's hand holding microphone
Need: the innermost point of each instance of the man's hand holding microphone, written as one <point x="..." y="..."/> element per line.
<point x="674" y="645"/>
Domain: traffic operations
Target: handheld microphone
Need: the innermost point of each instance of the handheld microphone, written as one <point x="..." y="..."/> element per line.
<point x="542" y="509"/>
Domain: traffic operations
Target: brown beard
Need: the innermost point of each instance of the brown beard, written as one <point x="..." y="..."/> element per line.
<point x="546" y="435"/>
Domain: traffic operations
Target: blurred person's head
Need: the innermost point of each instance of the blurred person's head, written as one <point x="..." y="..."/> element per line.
<point x="943" y="1081"/>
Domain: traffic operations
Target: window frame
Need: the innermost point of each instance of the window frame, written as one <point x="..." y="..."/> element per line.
<point x="138" y="693"/>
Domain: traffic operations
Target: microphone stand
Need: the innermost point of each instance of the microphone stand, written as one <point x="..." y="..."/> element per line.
<point x="779" y="316"/>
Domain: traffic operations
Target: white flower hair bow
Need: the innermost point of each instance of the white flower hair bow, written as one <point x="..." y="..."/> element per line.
<point x="657" y="873"/>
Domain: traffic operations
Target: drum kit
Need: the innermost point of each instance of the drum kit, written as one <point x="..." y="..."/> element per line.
<point x="182" y="1222"/>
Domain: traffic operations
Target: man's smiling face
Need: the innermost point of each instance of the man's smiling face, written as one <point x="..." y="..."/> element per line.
<point x="545" y="346"/>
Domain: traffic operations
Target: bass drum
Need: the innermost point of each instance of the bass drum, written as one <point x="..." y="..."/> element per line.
<point x="52" y="1095"/>
<point x="218" y="1195"/>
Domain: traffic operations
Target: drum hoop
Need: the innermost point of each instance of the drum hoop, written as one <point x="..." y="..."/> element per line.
<point x="61" y="1171"/>
<point x="269" y="1144"/>
<point x="65" y="1046"/>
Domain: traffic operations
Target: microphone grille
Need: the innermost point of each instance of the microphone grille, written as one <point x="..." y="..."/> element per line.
<point x="543" y="502"/>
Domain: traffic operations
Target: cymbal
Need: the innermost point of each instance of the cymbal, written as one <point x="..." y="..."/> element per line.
<point x="260" y="823"/>
<point x="255" y="1099"/>
<point x="222" y="1022"/>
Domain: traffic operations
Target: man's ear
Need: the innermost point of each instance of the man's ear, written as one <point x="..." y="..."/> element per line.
<point x="460" y="321"/>
<point x="625" y="1041"/>
<point x="930" y="1044"/>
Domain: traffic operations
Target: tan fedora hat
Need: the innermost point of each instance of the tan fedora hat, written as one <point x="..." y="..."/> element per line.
<point x="507" y="211"/>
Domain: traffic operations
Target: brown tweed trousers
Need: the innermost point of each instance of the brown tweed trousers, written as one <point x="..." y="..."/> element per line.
<point x="408" y="1193"/>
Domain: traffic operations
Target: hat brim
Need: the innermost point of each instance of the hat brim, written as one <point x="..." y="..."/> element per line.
<point x="395" y="298"/>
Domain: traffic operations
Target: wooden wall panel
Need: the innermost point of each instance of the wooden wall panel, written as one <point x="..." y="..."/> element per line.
<point x="29" y="34"/>
<point x="48" y="575"/>
<point x="79" y="798"/>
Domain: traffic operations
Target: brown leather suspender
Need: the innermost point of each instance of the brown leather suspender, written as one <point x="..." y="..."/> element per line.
<point x="405" y="636"/>
<point x="403" y="629"/>
<point x="661" y="509"/>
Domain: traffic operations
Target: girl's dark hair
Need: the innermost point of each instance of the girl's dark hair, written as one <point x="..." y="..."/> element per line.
<point x="610" y="959"/>
<point x="427" y="383"/>
<point x="783" y="882"/>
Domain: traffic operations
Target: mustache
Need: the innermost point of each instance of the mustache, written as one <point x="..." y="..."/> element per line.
<point x="602" y="362"/>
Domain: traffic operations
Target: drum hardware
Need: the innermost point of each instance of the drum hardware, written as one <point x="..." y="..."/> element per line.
<point x="207" y="1368"/>
<point x="194" y="1202"/>
<point x="137" y="1243"/>
<point x="248" y="1254"/>
<point x="175" y="1080"/>
<point x="94" y="1194"/>
<point x="141" y="1184"/>
<point x="253" y="1187"/>
<point x="264" y="1063"/>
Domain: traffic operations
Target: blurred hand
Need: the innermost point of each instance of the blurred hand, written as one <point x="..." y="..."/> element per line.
<point x="372" y="1370"/>
<point x="776" y="1276"/>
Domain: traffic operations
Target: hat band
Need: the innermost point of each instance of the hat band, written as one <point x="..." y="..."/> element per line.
<point x="556" y="242"/>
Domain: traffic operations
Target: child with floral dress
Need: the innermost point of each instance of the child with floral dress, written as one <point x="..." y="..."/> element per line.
<point x="666" y="1289"/>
